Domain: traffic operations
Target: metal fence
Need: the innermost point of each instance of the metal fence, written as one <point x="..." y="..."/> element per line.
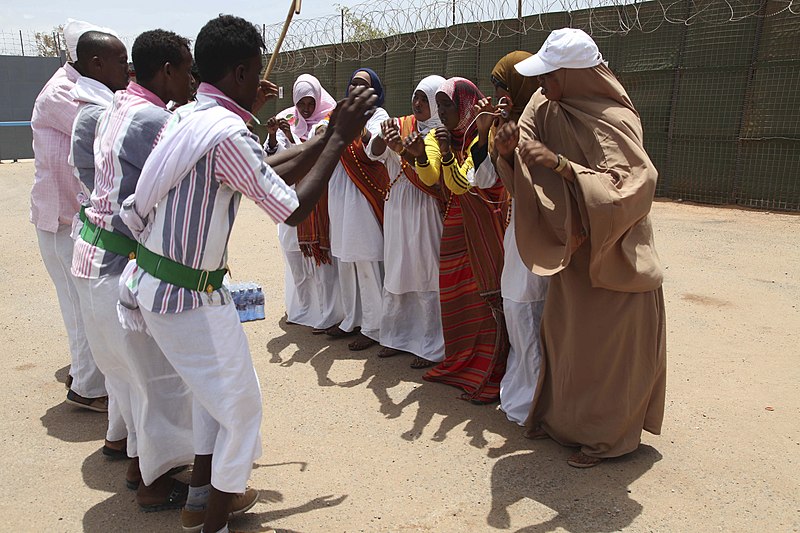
<point x="717" y="83"/>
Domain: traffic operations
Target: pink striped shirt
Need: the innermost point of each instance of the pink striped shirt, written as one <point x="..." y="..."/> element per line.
<point x="193" y="223"/>
<point x="55" y="190"/>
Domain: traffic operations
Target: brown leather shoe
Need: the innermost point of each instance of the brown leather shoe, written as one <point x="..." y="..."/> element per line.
<point x="99" y="405"/>
<point x="241" y="503"/>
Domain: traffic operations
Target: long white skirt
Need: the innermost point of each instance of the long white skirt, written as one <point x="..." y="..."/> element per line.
<point x="208" y="348"/>
<point x="311" y="292"/>
<point x="361" y="286"/>
<point x="412" y="322"/>
<point x="523" y="321"/>
<point x="144" y="389"/>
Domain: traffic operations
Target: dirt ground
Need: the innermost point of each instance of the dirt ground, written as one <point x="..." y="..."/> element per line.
<point x="356" y="443"/>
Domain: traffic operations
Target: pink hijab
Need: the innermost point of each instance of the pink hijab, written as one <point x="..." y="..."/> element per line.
<point x="308" y="85"/>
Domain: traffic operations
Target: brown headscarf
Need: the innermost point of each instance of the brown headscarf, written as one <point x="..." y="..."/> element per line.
<point x="597" y="128"/>
<point x="520" y="87"/>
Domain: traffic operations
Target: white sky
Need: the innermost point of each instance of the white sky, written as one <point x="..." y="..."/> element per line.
<point x="135" y="16"/>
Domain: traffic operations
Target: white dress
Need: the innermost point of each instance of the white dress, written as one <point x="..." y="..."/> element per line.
<point x="357" y="243"/>
<point x="412" y="228"/>
<point x="523" y="303"/>
<point x="311" y="292"/>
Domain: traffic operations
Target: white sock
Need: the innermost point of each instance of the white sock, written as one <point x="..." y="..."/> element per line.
<point x="198" y="497"/>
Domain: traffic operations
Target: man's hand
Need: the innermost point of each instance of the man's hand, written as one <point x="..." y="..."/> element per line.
<point x="391" y="135"/>
<point x="535" y="153"/>
<point x="444" y="140"/>
<point x="272" y="126"/>
<point x="415" y="145"/>
<point x="266" y="91"/>
<point x="353" y="113"/>
<point x="506" y="139"/>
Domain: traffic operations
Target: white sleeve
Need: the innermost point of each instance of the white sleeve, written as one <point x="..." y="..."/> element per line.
<point x="483" y="177"/>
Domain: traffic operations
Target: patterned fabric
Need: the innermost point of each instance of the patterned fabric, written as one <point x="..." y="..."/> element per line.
<point x="314" y="233"/>
<point x="54" y="194"/>
<point x="465" y="96"/>
<point x="370" y="176"/>
<point x="193" y="223"/>
<point x="126" y="134"/>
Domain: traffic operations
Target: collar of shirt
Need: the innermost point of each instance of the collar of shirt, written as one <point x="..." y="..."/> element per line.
<point x="137" y="90"/>
<point x="208" y="90"/>
<point x="72" y="74"/>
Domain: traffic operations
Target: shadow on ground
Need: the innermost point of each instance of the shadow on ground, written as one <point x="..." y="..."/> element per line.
<point x="580" y="501"/>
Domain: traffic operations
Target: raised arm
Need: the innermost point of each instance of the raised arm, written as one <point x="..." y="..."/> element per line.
<point x="353" y="114"/>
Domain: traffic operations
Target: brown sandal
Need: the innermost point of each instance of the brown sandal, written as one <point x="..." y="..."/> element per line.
<point x="361" y="343"/>
<point x="420" y="363"/>
<point x="537" y="433"/>
<point x="581" y="460"/>
<point x="389" y="352"/>
<point x="337" y="333"/>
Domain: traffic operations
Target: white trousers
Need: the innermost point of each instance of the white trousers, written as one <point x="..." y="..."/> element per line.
<point x="412" y="322"/>
<point x="312" y="292"/>
<point x="518" y="386"/>
<point x="150" y="396"/>
<point x="208" y="348"/>
<point x="361" y="289"/>
<point x="56" y="250"/>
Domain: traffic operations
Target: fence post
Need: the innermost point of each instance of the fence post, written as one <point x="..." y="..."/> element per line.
<point x="665" y="177"/>
<point x="736" y="191"/>
<point x="21" y="44"/>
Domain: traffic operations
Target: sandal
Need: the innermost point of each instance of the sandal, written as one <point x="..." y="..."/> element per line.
<point x="581" y="460"/>
<point x="537" y="433"/>
<point x="361" y="343"/>
<point x="388" y="352"/>
<point x="174" y="500"/>
<point x="99" y="405"/>
<point x="133" y="484"/>
<point x="116" y="454"/>
<point x="420" y="363"/>
<point x="337" y="333"/>
<point x="318" y="331"/>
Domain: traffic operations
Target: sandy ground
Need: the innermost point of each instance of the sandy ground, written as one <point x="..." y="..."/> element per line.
<point x="355" y="443"/>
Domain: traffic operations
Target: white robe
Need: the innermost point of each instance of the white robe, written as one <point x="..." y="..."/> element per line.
<point x="523" y="303"/>
<point x="412" y="228"/>
<point x="357" y="242"/>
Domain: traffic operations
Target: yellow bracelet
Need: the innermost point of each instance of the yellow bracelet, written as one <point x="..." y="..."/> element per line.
<point x="562" y="163"/>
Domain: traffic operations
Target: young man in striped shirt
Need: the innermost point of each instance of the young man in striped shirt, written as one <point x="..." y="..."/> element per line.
<point x="183" y="211"/>
<point x="143" y="387"/>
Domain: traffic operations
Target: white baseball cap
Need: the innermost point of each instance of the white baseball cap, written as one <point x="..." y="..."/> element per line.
<point x="564" y="48"/>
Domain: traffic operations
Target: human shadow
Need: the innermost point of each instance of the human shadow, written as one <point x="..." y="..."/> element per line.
<point x="584" y="501"/>
<point x="62" y="374"/>
<point x="432" y="399"/>
<point x="73" y="424"/>
<point x="260" y="519"/>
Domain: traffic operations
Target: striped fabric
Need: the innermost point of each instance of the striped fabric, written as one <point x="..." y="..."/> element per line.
<point x="126" y="133"/>
<point x="369" y="176"/>
<point x="193" y="223"/>
<point x="476" y="344"/>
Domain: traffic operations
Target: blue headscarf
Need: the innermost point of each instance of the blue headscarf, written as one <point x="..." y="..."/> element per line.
<point x="377" y="86"/>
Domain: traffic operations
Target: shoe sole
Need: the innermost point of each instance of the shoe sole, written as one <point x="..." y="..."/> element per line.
<point x="87" y="407"/>
<point x="238" y="512"/>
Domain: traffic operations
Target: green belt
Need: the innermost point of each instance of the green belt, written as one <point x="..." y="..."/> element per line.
<point x="107" y="240"/>
<point x="82" y="214"/>
<point x="178" y="274"/>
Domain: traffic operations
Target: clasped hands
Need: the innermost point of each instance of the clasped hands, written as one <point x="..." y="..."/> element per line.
<point x="531" y="152"/>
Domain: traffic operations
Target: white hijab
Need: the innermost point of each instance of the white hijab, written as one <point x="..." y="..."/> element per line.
<point x="429" y="86"/>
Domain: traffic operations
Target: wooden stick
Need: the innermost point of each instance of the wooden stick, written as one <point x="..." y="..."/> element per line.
<point x="293" y="8"/>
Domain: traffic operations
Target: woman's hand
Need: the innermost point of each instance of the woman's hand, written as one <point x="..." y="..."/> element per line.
<point x="391" y="135"/>
<point x="536" y="153"/>
<point x="444" y="140"/>
<point x="506" y="139"/>
<point x="485" y="112"/>
<point x="415" y="145"/>
<point x="286" y="128"/>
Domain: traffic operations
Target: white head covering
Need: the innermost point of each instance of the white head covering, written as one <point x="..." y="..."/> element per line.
<point x="429" y="86"/>
<point x="308" y="85"/>
<point x="73" y="31"/>
<point x="564" y="48"/>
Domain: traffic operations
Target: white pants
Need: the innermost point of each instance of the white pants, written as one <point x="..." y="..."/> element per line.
<point x="56" y="250"/>
<point x="412" y="322"/>
<point x="153" y="401"/>
<point x="361" y="288"/>
<point x="208" y="348"/>
<point x="523" y="321"/>
<point x="312" y="292"/>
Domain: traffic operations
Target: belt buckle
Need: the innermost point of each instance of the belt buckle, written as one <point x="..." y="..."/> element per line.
<point x="201" y="283"/>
